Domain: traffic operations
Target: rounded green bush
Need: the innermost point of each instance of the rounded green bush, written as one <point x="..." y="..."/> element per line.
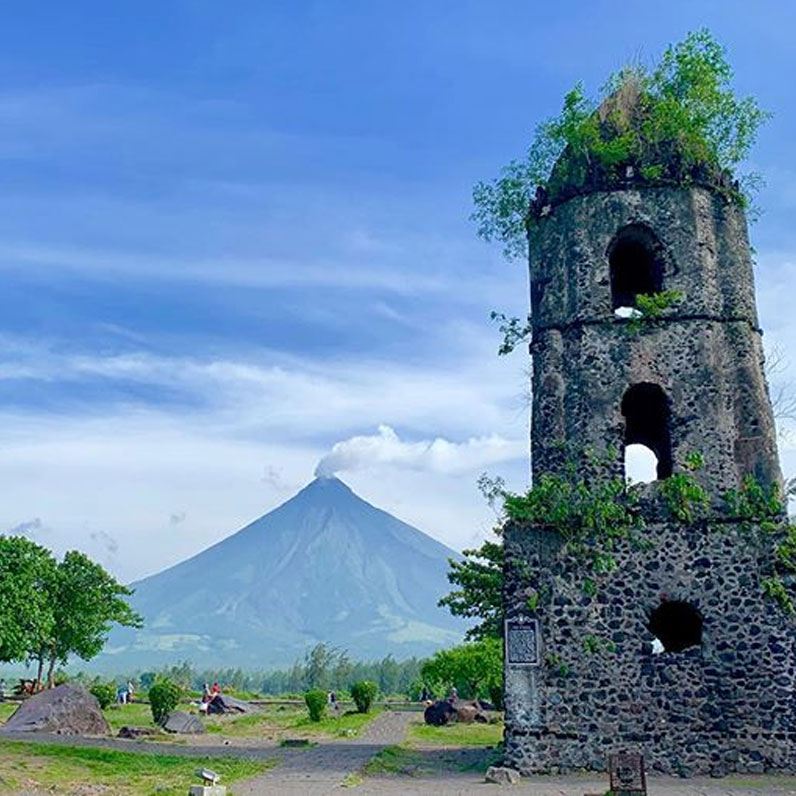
<point x="105" y="693"/>
<point x="164" y="696"/>
<point x="316" y="703"/>
<point x="364" y="693"/>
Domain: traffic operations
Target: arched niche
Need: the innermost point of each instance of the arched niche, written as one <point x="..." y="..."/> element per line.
<point x="645" y="408"/>
<point x="635" y="258"/>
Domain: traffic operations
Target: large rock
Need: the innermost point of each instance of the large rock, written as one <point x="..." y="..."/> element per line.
<point x="469" y="712"/>
<point x="183" y="723"/>
<point x="66" y="710"/>
<point x="440" y="713"/>
<point x="499" y="775"/>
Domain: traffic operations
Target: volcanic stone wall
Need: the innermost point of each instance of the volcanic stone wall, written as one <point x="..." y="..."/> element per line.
<point x="705" y="353"/>
<point x="725" y="705"/>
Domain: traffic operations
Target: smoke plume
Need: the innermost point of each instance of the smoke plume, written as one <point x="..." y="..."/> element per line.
<point x="437" y="455"/>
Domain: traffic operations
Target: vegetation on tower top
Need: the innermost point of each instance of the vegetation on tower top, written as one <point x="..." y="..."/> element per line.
<point x="678" y="122"/>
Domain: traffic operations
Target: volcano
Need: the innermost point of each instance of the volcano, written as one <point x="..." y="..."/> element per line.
<point x="326" y="566"/>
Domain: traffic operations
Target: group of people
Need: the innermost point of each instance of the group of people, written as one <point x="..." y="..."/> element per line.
<point x="209" y="693"/>
<point x="125" y="694"/>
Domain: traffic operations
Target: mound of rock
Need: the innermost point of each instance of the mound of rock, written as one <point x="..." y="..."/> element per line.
<point x="440" y="713"/>
<point x="183" y="723"/>
<point x="469" y="712"/>
<point x="66" y="710"/>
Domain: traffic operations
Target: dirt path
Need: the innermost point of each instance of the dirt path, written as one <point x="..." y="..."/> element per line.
<point x="323" y="768"/>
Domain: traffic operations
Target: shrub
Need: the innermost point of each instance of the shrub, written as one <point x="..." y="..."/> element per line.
<point x="363" y="693"/>
<point x="105" y="693"/>
<point x="164" y="696"/>
<point x="316" y="703"/>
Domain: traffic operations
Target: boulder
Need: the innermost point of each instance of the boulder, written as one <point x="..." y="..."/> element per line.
<point x="466" y="713"/>
<point x="136" y="732"/>
<point x="183" y="723"/>
<point x="499" y="775"/>
<point x="440" y="713"/>
<point x="66" y="710"/>
<point x="469" y="712"/>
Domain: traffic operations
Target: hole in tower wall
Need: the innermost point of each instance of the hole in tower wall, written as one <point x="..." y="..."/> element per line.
<point x="677" y="625"/>
<point x="636" y="268"/>
<point x="646" y="411"/>
<point x="641" y="464"/>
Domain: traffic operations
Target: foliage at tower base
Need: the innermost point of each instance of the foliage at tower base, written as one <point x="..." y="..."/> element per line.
<point x="51" y="610"/>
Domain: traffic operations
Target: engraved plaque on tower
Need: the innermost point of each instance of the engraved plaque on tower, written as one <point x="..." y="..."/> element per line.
<point x="522" y="642"/>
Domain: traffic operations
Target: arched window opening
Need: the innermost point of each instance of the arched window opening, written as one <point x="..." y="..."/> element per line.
<point x="677" y="625"/>
<point x="641" y="464"/>
<point x="646" y="411"/>
<point x="636" y="268"/>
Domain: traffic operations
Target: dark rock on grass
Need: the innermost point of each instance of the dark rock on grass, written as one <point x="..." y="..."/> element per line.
<point x="136" y="732"/>
<point x="66" y="710"/>
<point x="183" y="723"/>
<point x="440" y="713"/>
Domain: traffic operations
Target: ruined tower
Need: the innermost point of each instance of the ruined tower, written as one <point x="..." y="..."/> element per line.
<point x="585" y="674"/>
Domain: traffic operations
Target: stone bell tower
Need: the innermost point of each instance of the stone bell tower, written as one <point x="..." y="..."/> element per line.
<point x="719" y="695"/>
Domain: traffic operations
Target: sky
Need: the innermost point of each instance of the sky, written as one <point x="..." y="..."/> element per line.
<point x="235" y="242"/>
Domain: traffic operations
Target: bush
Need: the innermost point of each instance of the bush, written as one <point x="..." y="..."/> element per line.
<point x="164" y="696"/>
<point x="316" y="703"/>
<point x="363" y="693"/>
<point x="105" y="693"/>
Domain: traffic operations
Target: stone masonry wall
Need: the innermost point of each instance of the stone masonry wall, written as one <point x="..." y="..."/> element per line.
<point x="724" y="706"/>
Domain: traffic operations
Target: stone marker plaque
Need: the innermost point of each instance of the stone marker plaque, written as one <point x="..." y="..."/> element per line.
<point x="627" y="774"/>
<point x="522" y="642"/>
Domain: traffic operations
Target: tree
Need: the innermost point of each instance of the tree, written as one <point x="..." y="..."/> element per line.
<point x="475" y="670"/>
<point x="663" y="122"/>
<point x="26" y="610"/>
<point x="84" y="600"/>
<point x="478" y="579"/>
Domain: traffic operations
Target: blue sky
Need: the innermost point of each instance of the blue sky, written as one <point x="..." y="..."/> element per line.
<point x="233" y="235"/>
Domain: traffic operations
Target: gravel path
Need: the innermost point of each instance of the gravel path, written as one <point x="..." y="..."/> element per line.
<point x="466" y="785"/>
<point x="323" y="768"/>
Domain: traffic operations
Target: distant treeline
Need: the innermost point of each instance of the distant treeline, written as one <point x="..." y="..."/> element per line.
<point x="323" y="667"/>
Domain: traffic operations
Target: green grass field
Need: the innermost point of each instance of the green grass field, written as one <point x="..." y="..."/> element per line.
<point x="275" y="723"/>
<point x="270" y="722"/>
<point x="456" y="735"/>
<point x="25" y="766"/>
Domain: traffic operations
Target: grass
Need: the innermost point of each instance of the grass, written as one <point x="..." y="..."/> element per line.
<point x="281" y="722"/>
<point x="6" y="709"/>
<point x="438" y="751"/>
<point x="469" y="735"/>
<point x="397" y="760"/>
<point x="25" y="766"/>
<point x="272" y="722"/>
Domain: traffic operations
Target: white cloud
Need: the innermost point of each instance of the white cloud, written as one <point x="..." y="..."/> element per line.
<point x="438" y="455"/>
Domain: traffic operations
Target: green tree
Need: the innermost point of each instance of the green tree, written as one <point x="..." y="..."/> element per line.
<point x="478" y="592"/>
<point x="85" y="600"/>
<point x="670" y="121"/>
<point x="475" y="670"/>
<point x="27" y="571"/>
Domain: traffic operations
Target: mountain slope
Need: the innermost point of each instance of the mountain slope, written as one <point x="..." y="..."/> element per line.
<point x="324" y="566"/>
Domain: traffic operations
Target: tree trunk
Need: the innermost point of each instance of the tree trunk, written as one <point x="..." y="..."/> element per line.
<point x="40" y="670"/>
<point x="50" y="680"/>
